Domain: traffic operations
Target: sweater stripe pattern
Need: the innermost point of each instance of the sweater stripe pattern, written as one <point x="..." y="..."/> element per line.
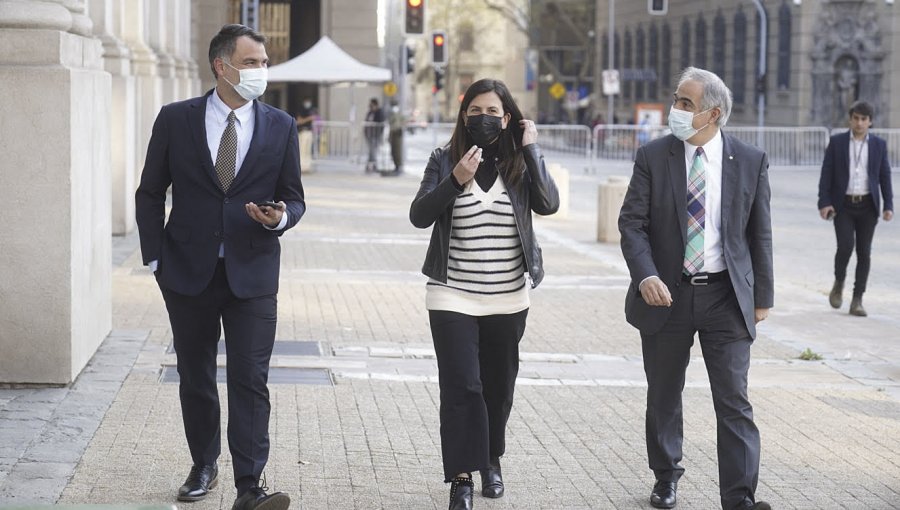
<point x="486" y="267"/>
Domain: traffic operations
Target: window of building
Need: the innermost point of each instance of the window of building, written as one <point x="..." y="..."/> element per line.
<point x="665" y="70"/>
<point x="685" y="43"/>
<point x="757" y="40"/>
<point x="628" y="63"/>
<point x="784" y="46"/>
<point x="640" y="45"/>
<point x="466" y="35"/>
<point x="700" y="44"/>
<point x="718" y="63"/>
<point x="739" y="79"/>
<point x="653" y="63"/>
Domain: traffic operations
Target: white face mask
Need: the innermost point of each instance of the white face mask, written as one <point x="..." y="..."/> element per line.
<point x="681" y="122"/>
<point x="253" y="82"/>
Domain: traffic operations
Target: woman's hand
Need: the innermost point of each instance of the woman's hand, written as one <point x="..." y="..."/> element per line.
<point x="529" y="132"/>
<point x="465" y="170"/>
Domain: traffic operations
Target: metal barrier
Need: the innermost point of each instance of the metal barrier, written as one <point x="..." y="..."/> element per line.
<point x="786" y="145"/>
<point x="620" y="141"/>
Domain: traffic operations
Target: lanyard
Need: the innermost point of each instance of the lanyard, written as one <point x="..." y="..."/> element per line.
<point x="859" y="151"/>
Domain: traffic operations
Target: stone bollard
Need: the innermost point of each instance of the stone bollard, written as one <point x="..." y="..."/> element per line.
<point x="560" y="176"/>
<point x="610" y="196"/>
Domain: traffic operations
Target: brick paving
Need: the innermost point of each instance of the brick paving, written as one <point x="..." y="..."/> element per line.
<point x="351" y="282"/>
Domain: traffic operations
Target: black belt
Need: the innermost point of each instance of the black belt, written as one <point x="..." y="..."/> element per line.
<point x="698" y="279"/>
<point x="856" y="199"/>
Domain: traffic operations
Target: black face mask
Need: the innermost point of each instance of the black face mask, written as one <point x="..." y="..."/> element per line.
<point x="484" y="129"/>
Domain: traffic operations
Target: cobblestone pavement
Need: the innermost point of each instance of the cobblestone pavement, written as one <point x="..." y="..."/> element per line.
<point x="355" y="399"/>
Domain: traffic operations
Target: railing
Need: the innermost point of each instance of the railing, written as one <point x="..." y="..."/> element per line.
<point x="800" y="146"/>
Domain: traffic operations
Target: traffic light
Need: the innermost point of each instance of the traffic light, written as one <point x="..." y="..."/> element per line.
<point x="415" y="17"/>
<point x="438" y="48"/>
<point x="658" y="7"/>
<point x="438" y="80"/>
<point x="410" y="59"/>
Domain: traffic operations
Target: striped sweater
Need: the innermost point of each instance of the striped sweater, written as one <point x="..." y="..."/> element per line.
<point x="486" y="270"/>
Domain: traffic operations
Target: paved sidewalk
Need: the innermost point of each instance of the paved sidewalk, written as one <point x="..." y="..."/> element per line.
<point x="355" y="399"/>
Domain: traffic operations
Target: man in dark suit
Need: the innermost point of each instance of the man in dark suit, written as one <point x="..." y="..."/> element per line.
<point x="697" y="238"/>
<point x="217" y="258"/>
<point x="853" y="171"/>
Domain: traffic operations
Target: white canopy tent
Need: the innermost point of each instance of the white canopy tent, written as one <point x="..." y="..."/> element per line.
<point x="327" y="63"/>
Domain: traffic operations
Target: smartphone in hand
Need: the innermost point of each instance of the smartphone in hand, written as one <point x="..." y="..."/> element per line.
<point x="269" y="203"/>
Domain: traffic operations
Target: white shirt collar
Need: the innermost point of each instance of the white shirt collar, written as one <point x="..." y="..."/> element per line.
<point x="221" y="110"/>
<point x="711" y="149"/>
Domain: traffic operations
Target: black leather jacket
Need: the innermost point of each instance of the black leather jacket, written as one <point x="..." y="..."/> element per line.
<point x="434" y="205"/>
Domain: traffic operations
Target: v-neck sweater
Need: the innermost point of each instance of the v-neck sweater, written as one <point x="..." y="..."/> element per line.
<point x="486" y="270"/>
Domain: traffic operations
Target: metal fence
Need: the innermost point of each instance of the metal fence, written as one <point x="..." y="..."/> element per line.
<point x="800" y="146"/>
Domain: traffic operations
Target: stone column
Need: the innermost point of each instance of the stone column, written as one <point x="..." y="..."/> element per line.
<point x="146" y="86"/>
<point x="179" y="13"/>
<point x="55" y="301"/>
<point x="158" y="30"/>
<point x="108" y="19"/>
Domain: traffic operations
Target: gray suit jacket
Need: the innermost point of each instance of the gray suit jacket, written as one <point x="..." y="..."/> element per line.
<point x="653" y="224"/>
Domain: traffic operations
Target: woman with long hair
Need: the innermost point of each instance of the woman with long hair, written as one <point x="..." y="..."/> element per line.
<point x="479" y="192"/>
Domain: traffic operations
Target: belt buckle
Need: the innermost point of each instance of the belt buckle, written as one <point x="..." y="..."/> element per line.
<point x="855" y="199"/>
<point x="699" y="279"/>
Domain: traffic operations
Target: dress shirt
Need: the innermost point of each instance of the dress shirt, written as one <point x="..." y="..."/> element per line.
<point x="859" y="164"/>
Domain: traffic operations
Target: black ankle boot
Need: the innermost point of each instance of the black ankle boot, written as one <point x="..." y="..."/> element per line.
<point x="492" y="480"/>
<point x="836" y="298"/>
<point x="461" y="490"/>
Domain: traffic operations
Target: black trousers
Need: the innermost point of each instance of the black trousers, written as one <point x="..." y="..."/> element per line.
<point x="855" y="225"/>
<point x="396" y="139"/>
<point x="478" y="361"/>
<point x="714" y="313"/>
<point x="249" y="337"/>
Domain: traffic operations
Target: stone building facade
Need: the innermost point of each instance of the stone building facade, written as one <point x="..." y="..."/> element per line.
<point x="820" y="55"/>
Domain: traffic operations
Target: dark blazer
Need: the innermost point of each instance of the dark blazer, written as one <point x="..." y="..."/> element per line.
<point x="835" y="175"/>
<point x="653" y="224"/>
<point x="437" y="193"/>
<point x="202" y="215"/>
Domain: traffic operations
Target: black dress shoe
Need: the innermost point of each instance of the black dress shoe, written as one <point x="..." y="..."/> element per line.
<point x="492" y="480"/>
<point x="257" y="499"/>
<point x="199" y="482"/>
<point x="759" y="505"/>
<point x="664" y="494"/>
<point x="461" y="490"/>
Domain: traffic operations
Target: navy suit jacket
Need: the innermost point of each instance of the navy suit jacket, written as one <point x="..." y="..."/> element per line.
<point x="202" y="215"/>
<point x="835" y="175"/>
<point x="653" y="224"/>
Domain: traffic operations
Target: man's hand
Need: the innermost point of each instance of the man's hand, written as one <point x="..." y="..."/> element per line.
<point x="465" y="170"/>
<point x="826" y="212"/>
<point x="655" y="292"/>
<point x="761" y="314"/>
<point x="887" y="215"/>
<point x="268" y="216"/>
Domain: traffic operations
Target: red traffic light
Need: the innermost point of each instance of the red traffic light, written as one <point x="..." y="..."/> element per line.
<point x="438" y="40"/>
<point x="414" y="3"/>
<point x="415" y="17"/>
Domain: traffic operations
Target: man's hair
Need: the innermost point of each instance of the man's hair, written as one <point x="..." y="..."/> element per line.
<point x="223" y="44"/>
<point x="715" y="93"/>
<point x="863" y="108"/>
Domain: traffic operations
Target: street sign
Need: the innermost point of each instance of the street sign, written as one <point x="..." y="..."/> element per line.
<point x="610" y="82"/>
<point x="557" y="90"/>
<point x="390" y="89"/>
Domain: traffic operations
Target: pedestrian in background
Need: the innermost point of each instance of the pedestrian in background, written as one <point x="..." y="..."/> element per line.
<point x="374" y="131"/>
<point x="697" y="238"/>
<point x="305" y="119"/>
<point x="855" y="172"/>
<point x="479" y="192"/>
<point x="396" y="124"/>
<point x="217" y="258"/>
